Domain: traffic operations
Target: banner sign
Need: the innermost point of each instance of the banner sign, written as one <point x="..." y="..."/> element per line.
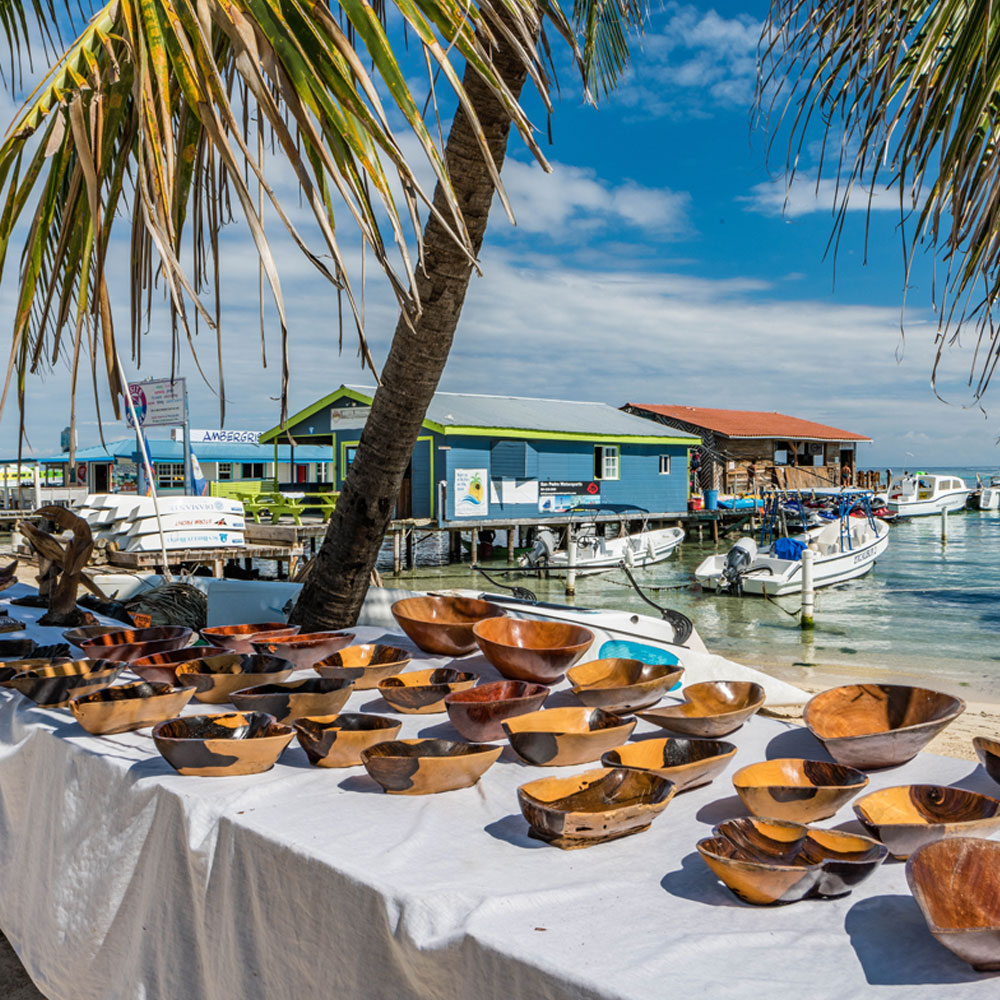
<point x="471" y="499"/>
<point x="559" y="496"/>
<point x="157" y="402"/>
<point x="225" y="437"/>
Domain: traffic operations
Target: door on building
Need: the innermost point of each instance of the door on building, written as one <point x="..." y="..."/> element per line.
<point x="404" y="503"/>
<point x="101" y="483"/>
<point x="301" y="473"/>
<point x="847" y="465"/>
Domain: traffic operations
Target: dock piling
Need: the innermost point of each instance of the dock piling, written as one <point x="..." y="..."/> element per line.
<point x="396" y="553"/>
<point x="808" y="595"/>
<point x="475" y="547"/>
<point x="570" y="561"/>
<point x="944" y="525"/>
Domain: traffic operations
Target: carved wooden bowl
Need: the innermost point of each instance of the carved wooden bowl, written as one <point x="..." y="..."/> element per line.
<point x="364" y="665"/>
<point x="337" y="740"/>
<point x="593" y="807"/>
<point x="425" y="766"/>
<point x="687" y="763"/>
<point x="712" y="709"/>
<point x="126" y="645"/>
<point x="906" y="817"/>
<point x="239" y="638"/>
<point x="215" y="678"/>
<point x="77" y="636"/>
<point x="443" y="625"/>
<point x="767" y="862"/>
<point x="988" y="752"/>
<point x="956" y="884"/>
<point x="619" y="685"/>
<point x="128" y="706"/>
<point x="800" y="791"/>
<point x="11" y="668"/>
<point x="422" y="692"/>
<point x="525" y="650"/>
<point x="162" y="667"/>
<point x="291" y="700"/>
<point x="557" y="737"/>
<point x="305" y="649"/>
<point x="478" y="713"/>
<point x="223" y="744"/>
<point x="879" y="725"/>
<point x="55" y="684"/>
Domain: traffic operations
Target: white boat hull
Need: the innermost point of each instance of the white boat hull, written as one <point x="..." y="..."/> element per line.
<point x="954" y="500"/>
<point x="184" y="522"/>
<point x="989" y="498"/>
<point x="184" y="540"/>
<point x="638" y="551"/>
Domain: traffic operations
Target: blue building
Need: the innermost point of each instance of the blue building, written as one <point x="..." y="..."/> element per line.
<point x="503" y="458"/>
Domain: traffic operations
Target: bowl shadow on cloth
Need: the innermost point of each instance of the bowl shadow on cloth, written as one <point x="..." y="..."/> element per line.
<point x="513" y="829"/>
<point x="796" y="741"/>
<point x="361" y="783"/>
<point x="694" y="880"/>
<point x="718" y="811"/>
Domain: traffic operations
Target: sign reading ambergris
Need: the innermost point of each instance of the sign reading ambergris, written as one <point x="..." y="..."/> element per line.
<point x="221" y="436"/>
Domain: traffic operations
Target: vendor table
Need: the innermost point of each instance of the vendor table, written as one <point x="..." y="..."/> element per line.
<point x="121" y="879"/>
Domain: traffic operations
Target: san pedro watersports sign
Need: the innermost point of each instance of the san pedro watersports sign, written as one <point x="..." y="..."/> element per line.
<point x="557" y="496"/>
<point x="158" y="402"/>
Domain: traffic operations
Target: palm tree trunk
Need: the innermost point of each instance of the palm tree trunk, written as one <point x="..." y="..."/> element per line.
<point x="338" y="581"/>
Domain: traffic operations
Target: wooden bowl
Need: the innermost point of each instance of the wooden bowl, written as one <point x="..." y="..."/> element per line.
<point x="525" y="650"/>
<point x="128" y="706"/>
<point x="364" y="665"/>
<point x="161" y="668"/>
<point x="305" y="649"/>
<point x="423" y="692"/>
<point x="126" y="645"/>
<point x="443" y="625"/>
<point x="11" y="668"/>
<point x="712" y="709"/>
<point x="618" y="685"/>
<point x="879" y="725"/>
<point x="988" y="752"/>
<point x="906" y="817"/>
<point x="55" y="684"/>
<point x="593" y="807"/>
<point x="337" y="740"/>
<point x="215" y="678"/>
<point x="556" y="737"/>
<point x="296" y="699"/>
<point x="76" y="636"/>
<point x="422" y="767"/>
<point x="956" y="884"/>
<point x="800" y="791"/>
<point x="239" y="638"/>
<point x="223" y="744"/>
<point x="687" y="763"/>
<point x="478" y="713"/>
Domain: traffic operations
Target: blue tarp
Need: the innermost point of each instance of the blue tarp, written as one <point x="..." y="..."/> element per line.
<point x="788" y="548"/>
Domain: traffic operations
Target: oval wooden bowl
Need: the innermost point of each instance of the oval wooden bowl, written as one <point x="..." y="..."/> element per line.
<point x="426" y="766"/>
<point x="956" y="884"/>
<point x="128" y="706"/>
<point x="687" y="763"/>
<point x="478" y="713"/>
<point x="906" y="817"/>
<point x="712" y="709"/>
<point x="558" y="737"/>
<point x="423" y="692"/>
<point x="988" y="752"/>
<point x="800" y="791"/>
<point x="593" y="807"/>
<point x="296" y="699"/>
<point x="364" y="665"/>
<point x="337" y="740"/>
<point x="11" y="668"/>
<point x="619" y="685"/>
<point x="76" y="636"/>
<point x="215" y="678"/>
<point x="443" y="625"/>
<point x="525" y="650"/>
<point x="224" y="744"/>
<point x="239" y="638"/>
<point x="126" y="645"/>
<point x="161" y="668"/>
<point x="54" y="685"/>
<point x="879" y="725"/>
<point x="305" y="649"/>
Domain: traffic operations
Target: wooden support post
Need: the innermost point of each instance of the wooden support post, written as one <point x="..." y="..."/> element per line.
<point x="808" y="598"/>
<point x="570" y="561"/>
<point x="944" y="525"/>
<point x="701" y="529"/>
<point x="715" y="530"/>
<point x="474" y="547"/>
<point x="512" y="533"/>
<point x="217" y="568"/>
<point x="396" y="552"/>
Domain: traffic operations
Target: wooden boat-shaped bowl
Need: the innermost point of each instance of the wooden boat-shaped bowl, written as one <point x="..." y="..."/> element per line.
<point x="55" y="684"/>
<point x="227" y="743"/>
<point x="593" y="807"/>
<point x="559" y="737"/>
<point x="426" y="766"/>
<point x="11" y="668"/>
<point x="712" y="709"/>
<point x="161" y="668"/>
<point x="478" y="713"/>
<point x="305" y="649"/>
<point x="133" y="643"/>
<point x="956" y="884"/>
<point x="215" y="678"/>
<point x="687" y="763"/>
<point x="879" y="725"/>
<point x="526" y="650"/>
<point x="767" y="862"/>
<point x="291" y="700"/>
<point x="337" y="740"/>
<point x="422" y="692"/>
<point x="123" y="707"/>
<point x="443" y="625"/>
<point x="906" y="817"/>
<point x="239" y="638"/>
<point x="77" y="636"/>
<point x="800" y="791"/>
<point x="988" y="752"/>
<point x="619" y="685"/>
<point x="364" y="665"/>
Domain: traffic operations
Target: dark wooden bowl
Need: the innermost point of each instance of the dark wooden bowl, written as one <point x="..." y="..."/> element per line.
<point x="620" y="685"/>
<point x="687" y="763"/>
<point x="525" y="650"/>
<point x="291" y="700"/>
<point x="364" y="665"/>
<point x="712" y="709"/>
<point x="593" y="807"/>
<point x="224" y="744"/>
<point x="239" y="638"/>
<point x="906" y="817"/>
<point x="128" y="706"/>
<point x="879" y="725"/>
<point x="557" y="737"/>
<point x="800" y="791"/>
<point x="161" y="668"/>
<point x="988" y="752"/>
<point x="426" y="766"/>
<point x="478" y="713"/>
<point x="55" y="684"/>
<point x="337" y="740"/>
<point x="11" y="668"/>
<point x="126" y="645"/>
<point x="956" y="884"/>
<point x="77" y="636"/>
<point x="305" y="649"/>
<point x="215" y="678"/>
<point x="422" y="692"/>
<point x="443" y="625"/>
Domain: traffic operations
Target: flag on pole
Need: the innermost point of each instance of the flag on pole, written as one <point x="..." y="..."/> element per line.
<point x="198" y="481"/>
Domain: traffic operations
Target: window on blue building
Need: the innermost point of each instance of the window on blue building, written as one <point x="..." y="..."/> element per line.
<point x="664" y="465"/>
<point x="606" y="461"/>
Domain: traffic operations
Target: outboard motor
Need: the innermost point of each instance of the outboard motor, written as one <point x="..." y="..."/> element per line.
<point x="541" y="551"/>
<point x="738" y="560"/>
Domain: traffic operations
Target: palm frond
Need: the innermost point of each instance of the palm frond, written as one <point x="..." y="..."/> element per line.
<point x="605" y="26"/>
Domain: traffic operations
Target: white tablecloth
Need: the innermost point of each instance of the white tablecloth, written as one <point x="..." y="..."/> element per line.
<point x="120" y="878"/>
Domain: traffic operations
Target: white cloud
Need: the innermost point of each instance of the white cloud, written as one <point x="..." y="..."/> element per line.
<point x="805" y="197"/>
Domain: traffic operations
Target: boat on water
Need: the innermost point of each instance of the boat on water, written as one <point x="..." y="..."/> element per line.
<point x="989" y="495"/>
<point x="920" y="494"/>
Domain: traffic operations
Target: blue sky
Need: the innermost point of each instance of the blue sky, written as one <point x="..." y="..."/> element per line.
<point x="658" y="262"/>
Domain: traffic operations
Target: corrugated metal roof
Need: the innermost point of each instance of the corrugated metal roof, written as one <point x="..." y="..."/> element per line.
<point x="164" y="450"/>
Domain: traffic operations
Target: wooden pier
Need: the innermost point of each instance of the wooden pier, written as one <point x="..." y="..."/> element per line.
<point x="216" y="558"/>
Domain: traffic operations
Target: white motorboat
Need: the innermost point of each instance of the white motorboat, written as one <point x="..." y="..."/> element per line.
<point x="989" y="496"/>
<point x="920" y="494"/>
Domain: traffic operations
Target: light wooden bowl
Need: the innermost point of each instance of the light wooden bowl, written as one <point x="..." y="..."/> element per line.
<point x="711" y="709"/>
<point x="215" y="678"/>
<point x="422" y="692"/>
<point x="337" y="740"/>
<point x="621" y="685"/>
<point x="687" y="763"/>
<point x="427" y="766"/>
<point x="988" y="752"/>
<point x="240" y="638"/>
<point x="9" y="669"/>
<point x="559" y="737"/>
<point x="76" y="636"/>
<point x="364" y="665"/>
<point x="800" y="791"/>
<point x="304" y="649"/>
<point x="123" y="707"/>
<point x="478" y="712"/>
<point x="443" y="625"/>
<point x="162" y="667"/>
<point x="126" y="645"/>
<point x="526" y="650"/>
<point x="54" y="684"/>
<point x="291" y="700"/>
